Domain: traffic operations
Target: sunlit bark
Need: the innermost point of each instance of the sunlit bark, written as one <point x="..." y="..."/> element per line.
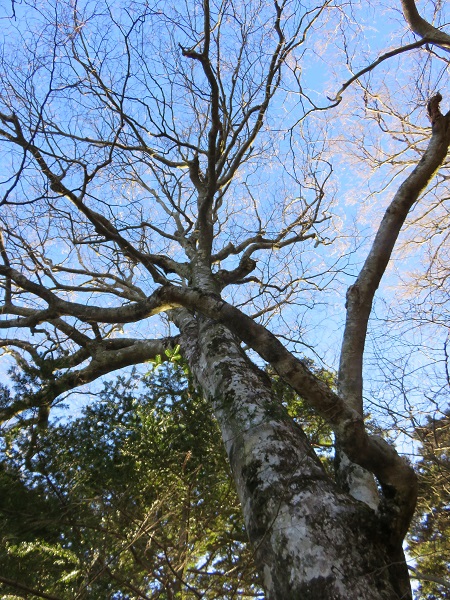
<point x="307" y="534"/>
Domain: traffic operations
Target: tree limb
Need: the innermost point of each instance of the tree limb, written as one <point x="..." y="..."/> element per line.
<point x="395" y="475"/>
<point x="360" y="295"/>
<point x="428" y="577"/>
<point x="106" y="358"/>
<point x="423" y="28"/>
<point x="24" y="588"/>
<point x="374" y="64"/>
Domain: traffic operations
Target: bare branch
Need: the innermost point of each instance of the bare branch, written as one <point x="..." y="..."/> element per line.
<point x="106" y="358"/>
<point x="374" y="64"/>
<point x="428" y="577"/>
<point x="16" y="585"/>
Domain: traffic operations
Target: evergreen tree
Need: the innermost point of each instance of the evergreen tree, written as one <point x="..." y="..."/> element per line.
<point x="137" y="489"/>
<point x="429" y="540"/>
<point x="133" y="499"/>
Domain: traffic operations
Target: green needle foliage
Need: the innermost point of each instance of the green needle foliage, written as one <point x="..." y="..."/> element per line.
<point x="132" y="499"/>
<point x="429" y="540"/>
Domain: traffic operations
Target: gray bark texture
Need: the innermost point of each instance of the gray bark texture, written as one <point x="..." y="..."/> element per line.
<point x="311" y="539"/>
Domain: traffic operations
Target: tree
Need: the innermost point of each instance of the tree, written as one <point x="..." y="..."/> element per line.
<point x="428" y="538"/>
<point x="132" y="499"/>
<point x="152" y="168"/>
<point x="134" y="496"/>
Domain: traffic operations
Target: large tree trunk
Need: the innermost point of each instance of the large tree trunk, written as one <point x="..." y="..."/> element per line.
<point x="311" y="540"/>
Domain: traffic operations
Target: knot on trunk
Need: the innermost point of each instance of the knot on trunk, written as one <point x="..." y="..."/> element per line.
<point x="433" y="109"/>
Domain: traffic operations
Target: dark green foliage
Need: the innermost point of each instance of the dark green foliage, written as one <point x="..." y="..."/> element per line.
<point x="429" y="540"/>
<point x="132" y="499"/>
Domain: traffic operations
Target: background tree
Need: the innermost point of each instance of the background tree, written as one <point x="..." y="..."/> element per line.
<point x="132" y="499"/>
<point x="428" y="540"/>
<point x="158" y="162"/>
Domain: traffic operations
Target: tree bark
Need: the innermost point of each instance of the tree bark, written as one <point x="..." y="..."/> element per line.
<point x="422" y="28"/>
<point x="311" y="540"/>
